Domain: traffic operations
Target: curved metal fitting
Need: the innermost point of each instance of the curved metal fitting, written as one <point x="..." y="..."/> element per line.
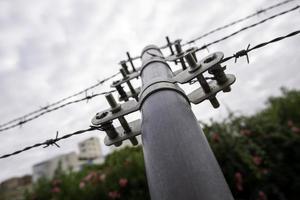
<point x="106" y="115"/>
<point x="199" y="95"/>
<point x="206" y="63"/>
<point x="154" y="47"/>
<point x="158" y="86"/>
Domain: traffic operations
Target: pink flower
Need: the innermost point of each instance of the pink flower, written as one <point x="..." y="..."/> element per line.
<point x="126" y="163"/>
<point x="257" y="160"/>
<point x="55" y="190"/>
<point x="264" y="171"/>
<point x="123" y="182"/>
<point x="262" y="196"/>
<point x="90" y="176"/>
<point x="56" y="182"/>
<point x="216" y="137"/>
<point x="114" y="195"/>
<point x="81" y="185"/>
<point x="102" y="177"/>
<point x="290" y="123"/>
<point x="238" y="181"/>
<point x="295" y="129"/>
<point x="245" y="132"/>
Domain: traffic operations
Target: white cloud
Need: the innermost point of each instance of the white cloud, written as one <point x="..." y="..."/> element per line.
<point x="52" y="48"/>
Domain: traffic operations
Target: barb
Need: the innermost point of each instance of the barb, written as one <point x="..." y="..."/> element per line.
<point x="248" y="27"/>
<point x="245" y="52"/>
<point x="52" y="142"/>
<point x="21" y="118"/>
<point x="52" y="109"/>
<point x="48" y="143"/>
<point x="237" y="21"/>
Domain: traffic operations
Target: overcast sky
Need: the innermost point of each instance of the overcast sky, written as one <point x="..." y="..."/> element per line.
<point x="50" y="49"/>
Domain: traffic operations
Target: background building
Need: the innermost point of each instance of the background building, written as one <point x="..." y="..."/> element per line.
<point x="66" y="163"/>
<point x="89" y="153"/>
<point x="90" y="149"/>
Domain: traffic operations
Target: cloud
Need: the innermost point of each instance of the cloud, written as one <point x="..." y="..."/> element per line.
<point x="53" y="48"/>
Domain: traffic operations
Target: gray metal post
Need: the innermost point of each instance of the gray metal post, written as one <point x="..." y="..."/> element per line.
<point x="179" y="161"/>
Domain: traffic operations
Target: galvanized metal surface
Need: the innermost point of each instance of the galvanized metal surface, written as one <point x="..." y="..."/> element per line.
<point x="179" y="162"/>
<point x="199" y="95"/>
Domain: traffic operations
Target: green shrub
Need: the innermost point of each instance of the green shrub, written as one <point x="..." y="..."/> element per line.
<point x="259" y="156"/>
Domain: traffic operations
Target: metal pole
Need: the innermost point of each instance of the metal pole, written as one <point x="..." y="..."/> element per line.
<point x="179" y="161"/>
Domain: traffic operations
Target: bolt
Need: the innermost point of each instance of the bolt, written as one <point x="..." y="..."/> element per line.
<point x="132" y="90"/>
<point x="179" y="51"/>
<point x="218" y="72"/>
<point x="115" y="107"/>
<point x="124" y="66"/>
<point x="214" y="102"/>
<point x="192" y="62"/>
<point x="130" y="60"/>
<point x="124" y="74"/>
<point x="127" y="129"/>
<point x="111" y="131"/>
<point x="122" y="93"/>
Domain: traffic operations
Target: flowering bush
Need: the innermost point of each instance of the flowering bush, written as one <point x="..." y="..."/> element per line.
<point x="259" y="156"/>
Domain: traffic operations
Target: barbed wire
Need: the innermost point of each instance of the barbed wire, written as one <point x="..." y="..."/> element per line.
<point x="26" y="120"/>
<point x="237" y="21"/>
<point x="221" y="28"/>
<point x="49" y="142"/>
<point x="245" y="52"/>
<point x="248" y="27"/>
<point x="42" y="109"/>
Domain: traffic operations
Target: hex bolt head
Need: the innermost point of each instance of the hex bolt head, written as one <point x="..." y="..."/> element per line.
<point x="227" y="89"/>
<point x="101" y="115"/>
<point x="117" y="144"/>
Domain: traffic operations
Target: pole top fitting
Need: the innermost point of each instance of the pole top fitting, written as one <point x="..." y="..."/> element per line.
<point x="148" y="48"/>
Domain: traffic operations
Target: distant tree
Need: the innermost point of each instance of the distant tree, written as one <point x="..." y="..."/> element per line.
<point x="259" y="156"/>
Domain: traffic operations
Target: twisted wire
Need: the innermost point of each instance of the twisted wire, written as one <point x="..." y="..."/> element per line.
<point x="24" y="121"/>
<point x="248" y="27"/>
<point x="237" y="21"/>
<point x="21" y="118"/>
<point x="49" y="142"/>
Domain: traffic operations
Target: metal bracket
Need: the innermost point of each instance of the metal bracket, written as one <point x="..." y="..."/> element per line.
<point x="127" y="78"/>
<point x="158" y="86"/>
<point x="208" y="90"/>
<point x="122" y="135"/>
<point x="201" y="67"/>
<point x="107" y="115"/>
<point x="198" y="95"/>
<point x="194" y="70"/>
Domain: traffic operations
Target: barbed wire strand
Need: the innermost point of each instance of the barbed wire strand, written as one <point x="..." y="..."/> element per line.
<point x="26" y="120"/>
<point x="245" y="52"/>
<point x="237" y="21"/>
<point x="222" y="27"/>
<point x="49" y="142"/>
<point x="18" y="119"/>
<point x="248" y="27"/>
<point x="241" y="53"/>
